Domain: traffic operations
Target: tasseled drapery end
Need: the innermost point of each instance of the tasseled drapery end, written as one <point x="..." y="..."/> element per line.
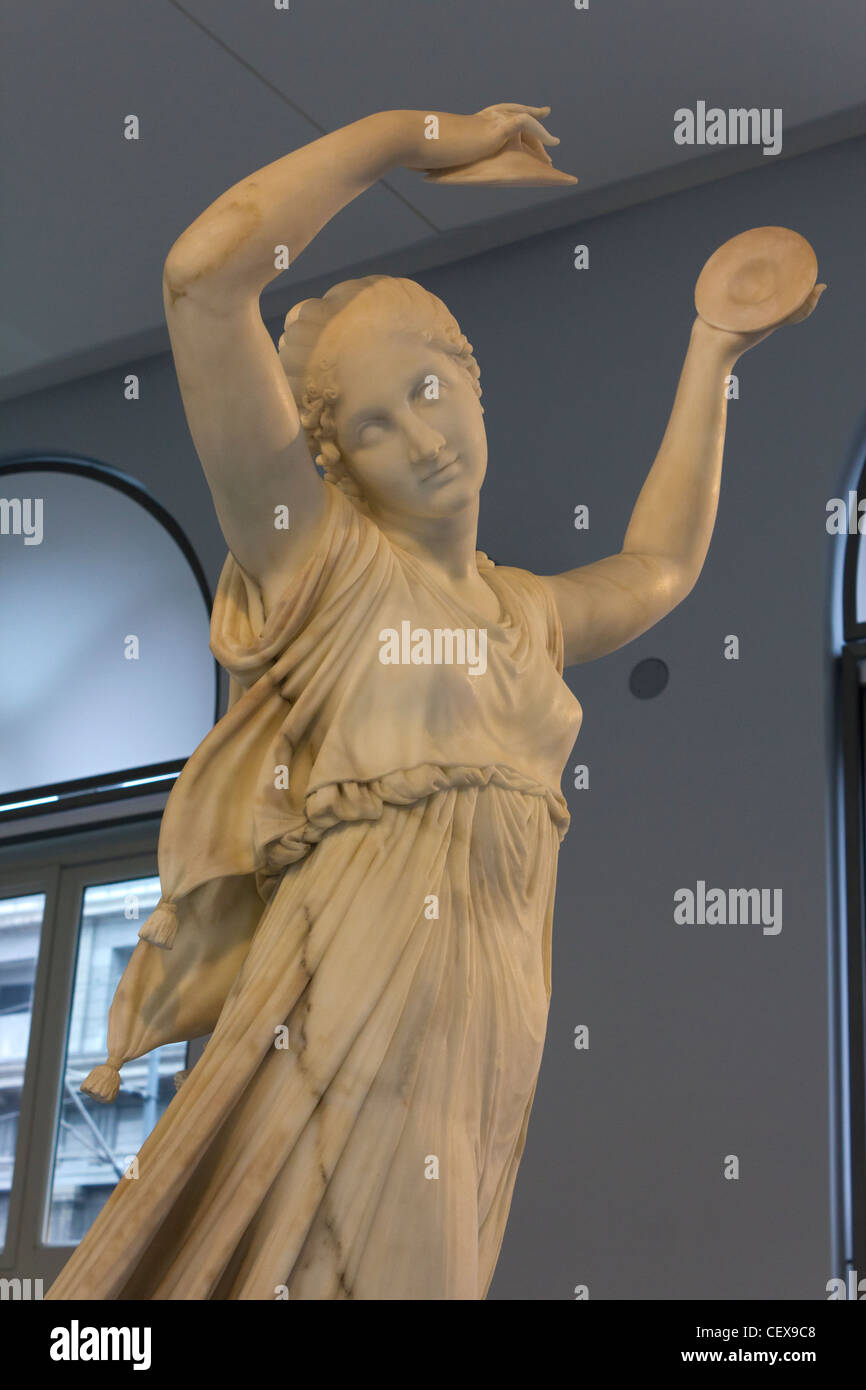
<point x="160" y="928"/>
<point x="103" y="1083"/>
<point x="180" y="1078"/>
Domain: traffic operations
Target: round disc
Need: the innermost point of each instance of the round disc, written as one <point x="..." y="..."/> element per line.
<point x="755" y="280"/>
<point x="505" y="169"/>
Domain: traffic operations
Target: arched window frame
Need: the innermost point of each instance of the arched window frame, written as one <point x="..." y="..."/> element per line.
<point x="848" y="974"/>
<point x="24" y="807"/>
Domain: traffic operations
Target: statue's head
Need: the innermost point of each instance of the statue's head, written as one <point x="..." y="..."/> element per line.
<point x="388" y="394"/>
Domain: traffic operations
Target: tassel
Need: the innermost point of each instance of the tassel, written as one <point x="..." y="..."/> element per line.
<point x="180" y="1078"/>
<point x="160" y="928"/>
<point x="103" y="1083"/>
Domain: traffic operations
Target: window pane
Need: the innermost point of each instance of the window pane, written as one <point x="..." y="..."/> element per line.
<point x="101" y="591"/>
<point x="20" y="928"/>
<point x="96" y="1142"/>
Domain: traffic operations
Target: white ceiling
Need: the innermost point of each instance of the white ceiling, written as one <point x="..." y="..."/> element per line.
<point x="222" y="87"/>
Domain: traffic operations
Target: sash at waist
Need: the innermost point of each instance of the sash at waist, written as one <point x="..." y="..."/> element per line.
<point x="291" y="837"/>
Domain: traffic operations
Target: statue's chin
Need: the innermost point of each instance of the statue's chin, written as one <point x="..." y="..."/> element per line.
<point x="446" y="493"/>
<point x="445" y="502"/>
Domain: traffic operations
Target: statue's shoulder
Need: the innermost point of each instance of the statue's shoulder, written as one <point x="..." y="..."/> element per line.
<point x="526" y="585"/>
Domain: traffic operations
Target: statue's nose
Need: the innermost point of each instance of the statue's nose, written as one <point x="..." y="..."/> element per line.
<point x="424" y="443"/>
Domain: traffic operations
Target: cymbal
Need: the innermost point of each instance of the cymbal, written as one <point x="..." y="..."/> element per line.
<point x="516" y="165"/>
<point x="756" y="280"/>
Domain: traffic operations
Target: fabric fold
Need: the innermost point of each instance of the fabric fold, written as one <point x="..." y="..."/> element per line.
<point x="365" y="1037"/>
<point x="319" y="732"/>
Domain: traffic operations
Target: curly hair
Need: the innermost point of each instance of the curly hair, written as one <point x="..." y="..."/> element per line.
<point x="312" y="373"/>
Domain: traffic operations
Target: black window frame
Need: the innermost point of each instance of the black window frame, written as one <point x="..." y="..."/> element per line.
<point x="86" y="794"/>
<point x="848" y="943"/>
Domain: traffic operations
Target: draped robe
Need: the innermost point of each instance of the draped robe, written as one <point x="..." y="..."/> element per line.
<point x="358" y="867"/>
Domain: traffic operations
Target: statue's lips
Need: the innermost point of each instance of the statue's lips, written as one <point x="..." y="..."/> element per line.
<point x="443" y="468"/>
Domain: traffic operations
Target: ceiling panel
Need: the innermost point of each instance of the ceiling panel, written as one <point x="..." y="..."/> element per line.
<point x="613" y="74"/>
<point x="89" y="216"/>
<point x="222" y="87"/>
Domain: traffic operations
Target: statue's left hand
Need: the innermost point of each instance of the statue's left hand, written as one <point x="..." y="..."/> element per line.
<point x="741" y="342"/>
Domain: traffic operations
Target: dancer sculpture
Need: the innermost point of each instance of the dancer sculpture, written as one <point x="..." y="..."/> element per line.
<point x="358" y="862"/>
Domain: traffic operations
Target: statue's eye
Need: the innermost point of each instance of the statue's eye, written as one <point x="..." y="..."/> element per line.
<point x="369" y="424"/>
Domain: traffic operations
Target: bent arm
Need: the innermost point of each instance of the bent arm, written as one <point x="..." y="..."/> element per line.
<point x="238" y="404"/>
<point x="604" y="605"/>
<point x="231" y="246"/>
<point x="228" y="254"/>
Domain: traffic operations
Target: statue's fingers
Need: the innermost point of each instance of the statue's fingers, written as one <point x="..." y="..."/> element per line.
<point x="806" y="309"/>
<point x="535" y="147"/>
<point x="524" y="122"/>
<point x="512" y="106"/>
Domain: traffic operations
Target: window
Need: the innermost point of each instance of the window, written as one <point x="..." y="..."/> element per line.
<point x="70" y="910"/>
<point x="95" y="1143"/>
<point x="20" y="929"/>
<point x="107" y="685"/>
<point x="105" y="620"/>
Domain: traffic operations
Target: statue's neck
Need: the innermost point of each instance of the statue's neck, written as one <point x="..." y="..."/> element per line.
<point x="447" y="544"/>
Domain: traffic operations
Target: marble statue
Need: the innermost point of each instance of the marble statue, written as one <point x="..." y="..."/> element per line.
<point x="358" y="863"/>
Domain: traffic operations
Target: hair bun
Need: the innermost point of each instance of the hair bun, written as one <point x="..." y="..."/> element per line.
<point x="305" y="323"/>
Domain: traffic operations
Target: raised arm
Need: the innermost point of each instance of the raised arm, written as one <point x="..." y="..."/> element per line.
<point x="239" y="407"/>
<point x="604" y="605"/>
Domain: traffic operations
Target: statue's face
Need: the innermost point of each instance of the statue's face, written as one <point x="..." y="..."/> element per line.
<point x="410" y="427"/>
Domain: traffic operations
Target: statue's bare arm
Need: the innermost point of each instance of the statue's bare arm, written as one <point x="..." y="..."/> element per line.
<point x="239" y="407"/>
<point x="604" y="605"/>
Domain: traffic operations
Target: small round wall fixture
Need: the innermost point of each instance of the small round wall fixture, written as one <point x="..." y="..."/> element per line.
<point x="648" y="678"/>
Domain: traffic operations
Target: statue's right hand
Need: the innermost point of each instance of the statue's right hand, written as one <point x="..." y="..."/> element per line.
<point x="442" y="140"/>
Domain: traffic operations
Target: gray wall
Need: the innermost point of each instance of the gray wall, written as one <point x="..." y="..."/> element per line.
<point x="704" y="1041"/>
